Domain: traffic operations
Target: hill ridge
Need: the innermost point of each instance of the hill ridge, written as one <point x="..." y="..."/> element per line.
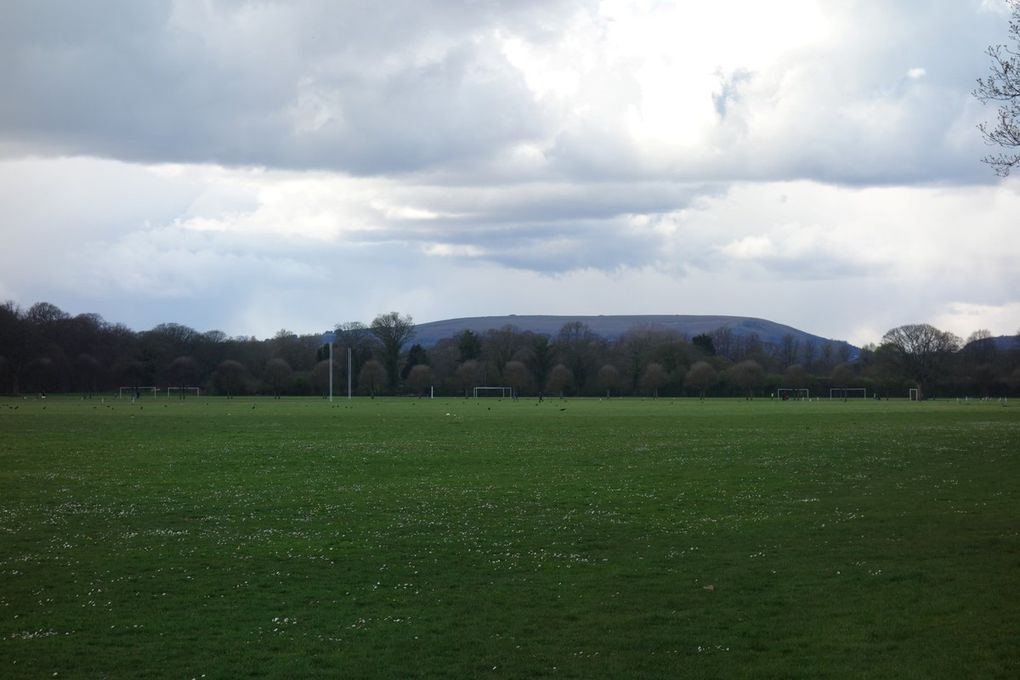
<point x="612" y="326"/>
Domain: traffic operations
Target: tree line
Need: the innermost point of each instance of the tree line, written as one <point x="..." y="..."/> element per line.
<point x="43" y="349"/>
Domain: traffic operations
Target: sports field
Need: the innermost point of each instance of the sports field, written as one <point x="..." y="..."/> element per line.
<point x="464" y="538"/>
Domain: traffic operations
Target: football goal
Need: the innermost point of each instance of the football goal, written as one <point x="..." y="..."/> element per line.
<point x="845" y="393"/>
<point x="797" y="393"/>
<point x="135" y="392"/>
<point x="183" y="391"/>
<point x="501" y="392"/>
<point x="912" y="394"/>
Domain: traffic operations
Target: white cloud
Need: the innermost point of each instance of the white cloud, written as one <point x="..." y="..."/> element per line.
<point x="965" y="318"/>
<point x="452" y="250"/>
<point x="750" y="248"/>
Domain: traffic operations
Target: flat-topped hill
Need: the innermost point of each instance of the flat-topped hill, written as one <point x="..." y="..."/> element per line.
<point x="614" y="326"/>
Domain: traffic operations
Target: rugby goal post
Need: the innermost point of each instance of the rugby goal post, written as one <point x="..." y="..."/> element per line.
<point x="845" y="393"/>
<point x="183" y="391"/>
<point x="131" y="391"/>
<point x="798" y="393"/>
<point x="501" y="392"/>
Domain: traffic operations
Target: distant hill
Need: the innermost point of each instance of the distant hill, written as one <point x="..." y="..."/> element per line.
<point x="612" y="327"/>
<point x="1002" y="343"/>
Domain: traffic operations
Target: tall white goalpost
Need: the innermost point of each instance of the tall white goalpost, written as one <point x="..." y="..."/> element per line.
<point x="329" y="338"/>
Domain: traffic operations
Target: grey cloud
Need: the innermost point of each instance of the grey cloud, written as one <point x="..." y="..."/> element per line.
<point x="411" y="86"/>
<point x="410" y="83"/>
<point x="729" y="90"/>
<point x="545" y="227"/>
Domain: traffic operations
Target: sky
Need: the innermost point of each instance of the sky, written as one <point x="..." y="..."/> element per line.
<point x="265" y="165"/>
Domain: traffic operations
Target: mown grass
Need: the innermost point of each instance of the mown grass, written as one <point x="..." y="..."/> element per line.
<point x="456" y="538"/>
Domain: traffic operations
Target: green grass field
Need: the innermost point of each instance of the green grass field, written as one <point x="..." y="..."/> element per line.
<point x="456" y="538"/>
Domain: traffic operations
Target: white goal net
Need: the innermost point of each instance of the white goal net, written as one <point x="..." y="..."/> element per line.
<point x="787" y="393"/>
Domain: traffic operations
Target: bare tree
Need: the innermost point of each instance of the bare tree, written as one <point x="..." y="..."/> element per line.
<point x="320" y="376"/>
<point x="796" y="376"/>
<point x="87" y="368"/>
<point x="978" y="336"/>
<point x="654" y="378"/>
<point x="40" y="373"/>
<point x="723" y="341"/>
<point x="15" y="341"/>
<point x="1013" y="379"/>
<point x="230" y="377"/>
<point x="517" y="376"/>
<point x="700" y="378"/>
<point x="419" y="378"/>
<point x="415" y="356"/>
<point x="353" y="340"/>
<point x="42" y="313"/>
<point x="609" y="379"/>
<point x="921" y="352"/>
<point x="561" y="378"/>
<point x="470" y="374"/>
<point x="980" y="347"/>
<point x="500" y="345"/>
<point x="393" y="331"/>
<point x="1002" y="85"/>
<point x="276" y="375"/>
<point x="577" y="347"/>
<point x="789" y="349"/>
<point x="372" y="377"/>
<point x="298" y="351"/>
<point x="983" y="377"/>
<point x="810" y="353"/>
<point x="842" y="375"/>
<point x="183" y="370"/>
<point x="747" y="375"/>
